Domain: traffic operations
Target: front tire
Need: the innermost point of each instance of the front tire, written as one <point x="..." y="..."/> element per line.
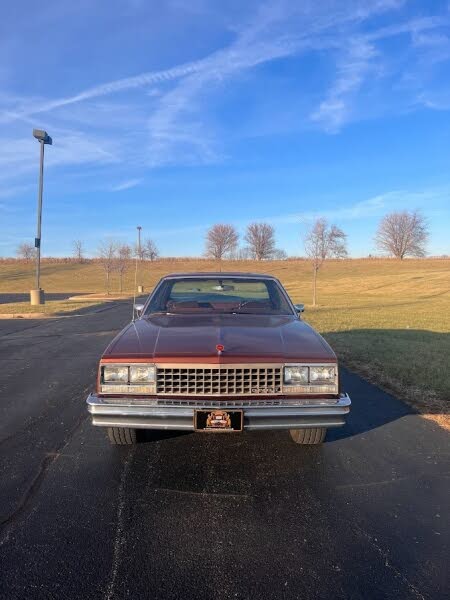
<point x="311" y="436"/>
<point x="122" y="436"/>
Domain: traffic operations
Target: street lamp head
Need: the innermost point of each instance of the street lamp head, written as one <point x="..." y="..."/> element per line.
<point x="42" y="136"/>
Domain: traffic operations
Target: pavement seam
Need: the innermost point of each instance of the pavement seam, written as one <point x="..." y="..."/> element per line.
<point x="119" y="537"/>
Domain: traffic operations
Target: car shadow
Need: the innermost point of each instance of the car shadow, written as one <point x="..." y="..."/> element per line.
<point x="158" y="435"/>
<point x="372" y="407"/>
<point x="404" y="352"/>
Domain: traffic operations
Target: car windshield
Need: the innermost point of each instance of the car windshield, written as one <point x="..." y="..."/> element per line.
<point x="225" y="295"/>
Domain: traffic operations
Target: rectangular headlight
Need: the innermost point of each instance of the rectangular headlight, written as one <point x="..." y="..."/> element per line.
<point x="295" y="375"/>
<point x="142" y="373"/>
<point x="322" y="374"/>
<point x="115" y="373"/>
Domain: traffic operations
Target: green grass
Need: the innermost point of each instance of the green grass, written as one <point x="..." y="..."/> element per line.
<point x="387" y="319"/>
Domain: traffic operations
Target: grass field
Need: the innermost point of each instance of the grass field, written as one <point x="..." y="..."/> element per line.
<point x="386" y="319"/>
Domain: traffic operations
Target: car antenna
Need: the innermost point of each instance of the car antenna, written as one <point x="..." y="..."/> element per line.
<point x="135" y="277"/>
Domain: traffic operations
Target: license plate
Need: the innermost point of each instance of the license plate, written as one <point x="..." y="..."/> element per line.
<point x="218" y="420"/>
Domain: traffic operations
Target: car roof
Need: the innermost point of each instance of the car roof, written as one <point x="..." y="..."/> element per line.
<point x="219" y="274"/>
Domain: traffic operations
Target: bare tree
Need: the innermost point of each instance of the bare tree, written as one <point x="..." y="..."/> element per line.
<point x="78" y="250"/>
<point x="260" y="238"/>
<point x="149" y="250"/>
<point x="279" y="254"/>
<point x="323" y="241"/>
<point x="221" y="241"/>
<point x="123" y="262"/>
<point x="402" y="234"/>
<point x="26" y="251"/>
<point x="243" y="254"/>
<point x="107" y="253"/>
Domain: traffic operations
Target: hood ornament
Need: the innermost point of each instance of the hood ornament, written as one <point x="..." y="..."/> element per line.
<point x="220" y="348"/>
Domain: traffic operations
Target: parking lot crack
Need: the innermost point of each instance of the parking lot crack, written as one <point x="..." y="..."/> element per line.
<point x="387" y="562"/>
<point x="7" y="524"/>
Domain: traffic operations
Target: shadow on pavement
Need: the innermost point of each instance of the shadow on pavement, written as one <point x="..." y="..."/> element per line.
<point x="9" y="297"/>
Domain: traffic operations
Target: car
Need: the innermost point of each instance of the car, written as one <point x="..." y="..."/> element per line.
<point x="218" y="353"/>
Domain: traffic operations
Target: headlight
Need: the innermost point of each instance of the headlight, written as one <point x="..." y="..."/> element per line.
<point x="139" y="379"/>
<point x="142" y="374"/>
<point x="115" y="373"/>
<point x="295" y="375"/>
<point x="321" y="374"/>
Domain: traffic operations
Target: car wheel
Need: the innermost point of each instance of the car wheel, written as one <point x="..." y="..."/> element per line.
<point x="314" y="435"/>
<point x="122" y="436"/>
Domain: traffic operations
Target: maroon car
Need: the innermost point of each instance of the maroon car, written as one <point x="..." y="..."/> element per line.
<point x="216" y="353"/>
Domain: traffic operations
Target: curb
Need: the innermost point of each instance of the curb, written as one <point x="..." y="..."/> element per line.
<point x="98" y="298"/>
<point x="37" y="315"/>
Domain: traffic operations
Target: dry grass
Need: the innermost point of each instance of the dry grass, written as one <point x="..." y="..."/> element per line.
<point x="388" y="320"/>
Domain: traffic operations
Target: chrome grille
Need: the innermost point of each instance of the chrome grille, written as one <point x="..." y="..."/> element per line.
<point x="236" y="380"/>
<point x="223" y="403"/>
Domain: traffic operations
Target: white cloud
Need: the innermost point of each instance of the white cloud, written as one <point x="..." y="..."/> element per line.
<point x="21" y="156"/>
<point x="371" y="207"/>
<point x="112" y="87"/>
<point x="126" y="185"/>
<point x="360" y="61"/>
<point x="177" y="130"/>
<point x="359" y="210"/>
<point x="164" y="117"/>
<point x="351" y="72"/>
<point x="13" y="191"/>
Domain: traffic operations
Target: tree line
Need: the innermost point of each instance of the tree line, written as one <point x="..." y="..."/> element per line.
<point x="399" y="234"/>
<point x="116" y="257"/>
<point x="113" y="256"/>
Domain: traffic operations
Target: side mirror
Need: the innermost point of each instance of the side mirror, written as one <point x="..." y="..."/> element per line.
<point x="299" y="308"/>
<point x="138" y="308"/>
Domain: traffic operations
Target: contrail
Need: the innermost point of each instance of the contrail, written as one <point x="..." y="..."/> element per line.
<point x="111" y="87"/>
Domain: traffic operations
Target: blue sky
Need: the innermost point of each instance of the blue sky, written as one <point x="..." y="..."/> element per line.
<point x="175" y="115"/>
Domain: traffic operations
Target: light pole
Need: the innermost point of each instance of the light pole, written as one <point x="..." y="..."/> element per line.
<point x="139" y="242"/>
<point x="37" y="295"/>
<point x="140" y="288"/>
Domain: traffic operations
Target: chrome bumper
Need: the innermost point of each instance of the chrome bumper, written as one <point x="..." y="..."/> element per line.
<point x="297" y="414"/>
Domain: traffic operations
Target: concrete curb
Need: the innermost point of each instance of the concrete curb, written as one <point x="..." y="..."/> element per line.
<point x="95" y="298"/>
<point x="36" y="315"/>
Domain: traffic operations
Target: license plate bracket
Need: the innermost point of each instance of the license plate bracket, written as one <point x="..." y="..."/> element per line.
<point x="218" y="421"/>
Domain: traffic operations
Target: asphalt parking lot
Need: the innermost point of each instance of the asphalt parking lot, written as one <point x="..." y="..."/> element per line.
<point x="202" y="516"/>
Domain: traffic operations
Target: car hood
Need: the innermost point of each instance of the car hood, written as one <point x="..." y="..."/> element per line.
<point x="250" y="337"/>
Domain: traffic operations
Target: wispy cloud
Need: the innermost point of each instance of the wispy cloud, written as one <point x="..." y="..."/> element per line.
<point x="13" y="191"/>
<point x="166" y="116"/>
<point x="359" y="210"/>
<point x="370" y="207"/>
<point x="353" y="67"/>
<point x="19" y="157"/>
<point x="126" y="185"/>
<point x="112" y="87"/>
<point x="361" y="61"/>
<point x="177" y="131"/>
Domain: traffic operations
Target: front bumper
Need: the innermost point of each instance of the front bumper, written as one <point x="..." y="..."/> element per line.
<point x="296" y="413"/>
